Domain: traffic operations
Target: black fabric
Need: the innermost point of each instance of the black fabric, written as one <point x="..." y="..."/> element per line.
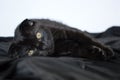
<point x="62" y="68"/>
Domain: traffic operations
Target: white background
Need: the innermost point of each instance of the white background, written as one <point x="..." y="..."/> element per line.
<point x="89" y="15"/>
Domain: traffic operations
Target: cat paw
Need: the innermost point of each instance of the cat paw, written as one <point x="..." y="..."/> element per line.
<point x="103" y="53"/>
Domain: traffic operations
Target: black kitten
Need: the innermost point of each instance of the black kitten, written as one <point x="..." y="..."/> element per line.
<point x="28" y="38"/>
<point x="59" y="39"/>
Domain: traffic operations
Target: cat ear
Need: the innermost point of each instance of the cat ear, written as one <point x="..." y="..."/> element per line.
<point x="28" y="22"/>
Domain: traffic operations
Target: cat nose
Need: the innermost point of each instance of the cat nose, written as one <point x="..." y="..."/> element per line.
<point x="43" y="53"/>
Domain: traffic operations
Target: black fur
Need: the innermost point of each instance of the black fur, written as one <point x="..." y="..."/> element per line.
<point x="58" y="40"/>
<point x="25" y="39"/>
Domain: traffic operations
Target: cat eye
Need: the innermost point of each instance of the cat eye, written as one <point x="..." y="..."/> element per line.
<point x="30" y="52"/>
<point x="38" y="35"/>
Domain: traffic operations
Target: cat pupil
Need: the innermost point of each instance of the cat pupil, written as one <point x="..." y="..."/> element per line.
<point x="38" y="35"/>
